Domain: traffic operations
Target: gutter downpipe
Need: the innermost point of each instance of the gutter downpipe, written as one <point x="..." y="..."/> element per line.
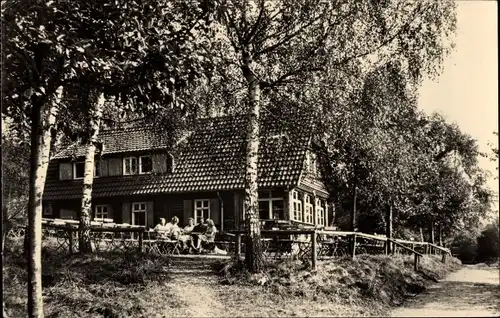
<point x="221" y="212"/>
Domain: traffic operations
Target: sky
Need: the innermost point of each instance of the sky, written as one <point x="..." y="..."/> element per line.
<point x="467" y="91"/>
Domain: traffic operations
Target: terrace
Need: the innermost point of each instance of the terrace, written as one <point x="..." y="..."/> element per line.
<point x="279" y="243"/>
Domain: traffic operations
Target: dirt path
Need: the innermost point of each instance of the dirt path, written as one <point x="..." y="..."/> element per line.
<point x="192" y="284"/>
<point x="470" y="292"/>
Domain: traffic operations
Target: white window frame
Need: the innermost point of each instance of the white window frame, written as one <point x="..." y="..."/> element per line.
<point x="270" y="202"/>
<point x="125" y="159"/>
<point x="320" y="213"/>
<point x="297" y="208"/>
<point x="140" y="164"/>
<point x="101" y="207"/>
<point x="140" y="210"/>
<point x="308" y="209"/>
<point x="74" y="170"/>
<point x="97" y="163"/>
<point x="205" y="204"/>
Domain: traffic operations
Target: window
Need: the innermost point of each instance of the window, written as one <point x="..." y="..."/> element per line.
<point x="320" y="212"/>
<point x="170" y="163"/>
<point x="139" y="213"/>
<point x="97" y="169"/>
<point x="270" y="207"/>
<point x="297" y="206"/>
<point x="264" y="210"/>
<point x="129" y="165"/>
<point x="78" y="170"/>
<point x="48" y="211"/>
<point x="201" y="209"/>
<point x="308" y="210"/>
<point x="145" y="164"/>
<point x="101" y="212"/>
<point x="67" y="214"/>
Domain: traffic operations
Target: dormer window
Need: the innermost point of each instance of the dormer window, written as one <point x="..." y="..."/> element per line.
<point x="97" y="169"/>
<point x="129" y="165"/>
<point x="169" y="163"/>
<point x="137" y="165"/>
<point x="78" y="170"/>
<point x="145" y="164"/>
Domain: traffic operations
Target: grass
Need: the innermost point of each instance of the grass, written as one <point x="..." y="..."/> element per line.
<point x="131" y="285"/>
<point x="370" y="285"/>
<point x="111" y="285"/>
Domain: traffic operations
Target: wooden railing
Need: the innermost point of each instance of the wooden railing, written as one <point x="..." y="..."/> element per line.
<point x="353" y="238"/>
<point x="70" y="230"/>
<point x="417" y="254"/>
<point x="309" y="247"/>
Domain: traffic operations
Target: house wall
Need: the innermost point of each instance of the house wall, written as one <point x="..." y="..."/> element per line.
<point x="227" y="207"/>
<point x="159" y="206"/>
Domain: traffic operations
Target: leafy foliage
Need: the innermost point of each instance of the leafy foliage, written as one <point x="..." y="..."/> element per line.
<point x="139" y="53"/>
<point x="488" y="246"/>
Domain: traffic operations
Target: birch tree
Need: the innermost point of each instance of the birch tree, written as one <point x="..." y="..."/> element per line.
<point x="276" y="43"/>
<point x="50" y="46"/>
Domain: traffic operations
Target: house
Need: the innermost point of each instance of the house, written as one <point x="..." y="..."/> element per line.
<point x="140" y="176"/>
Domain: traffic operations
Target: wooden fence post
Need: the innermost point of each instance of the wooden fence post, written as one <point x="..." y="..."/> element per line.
<point x="314" y="251"/>
<point x="427" y="248"/>
<point x="141" y="241"/>
<point x="415" y="262"/>
<point x="353" y="251"/>
<point x="238" y="245"/>
<point x="386" y="247"/>
<point x="443" y="258"/>
<point x="71" y="243"/>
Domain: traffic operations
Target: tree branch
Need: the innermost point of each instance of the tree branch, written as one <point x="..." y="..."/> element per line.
<point x="252" y="33"/>
<point x="287" y="38"/>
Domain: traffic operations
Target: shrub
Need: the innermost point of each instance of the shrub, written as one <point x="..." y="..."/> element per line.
<point x="488" y="247"/>
<point x="466" y="247"/>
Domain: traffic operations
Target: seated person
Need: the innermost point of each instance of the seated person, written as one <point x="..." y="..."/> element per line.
<point x="209" y="235"/>
<point x="190" y="227"/>
<point x="198" y="230"/>
<point x="173" y="230"/>
<point x="162" y="227"/>
<point x="185" y="237"/>
<point x="200" y="227"/>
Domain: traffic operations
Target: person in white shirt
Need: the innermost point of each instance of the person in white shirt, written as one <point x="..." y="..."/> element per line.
<point x="173" y="230"/>
<point x="185" y="237"/>
<point x="162" y="227"/>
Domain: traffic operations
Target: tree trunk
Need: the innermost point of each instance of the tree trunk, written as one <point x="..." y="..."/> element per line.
<point x="354" y="224"/>
<point x="431" y="231"/>
<point x="84" y="243"/>
<point x="253" y="254"/>
<point x="43" y="120"/>
<point x="389" y="228"/>
<point x="440" y="235"/>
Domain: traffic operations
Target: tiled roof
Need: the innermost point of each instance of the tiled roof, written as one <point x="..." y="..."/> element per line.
<point x="213" y="159"/>
<point x="121" y="140"/>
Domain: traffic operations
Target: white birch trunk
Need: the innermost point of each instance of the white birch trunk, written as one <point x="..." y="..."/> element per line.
<point x="253" y="254"/>
<point x="43" y="120"/>
<point x="85" y="245"/>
